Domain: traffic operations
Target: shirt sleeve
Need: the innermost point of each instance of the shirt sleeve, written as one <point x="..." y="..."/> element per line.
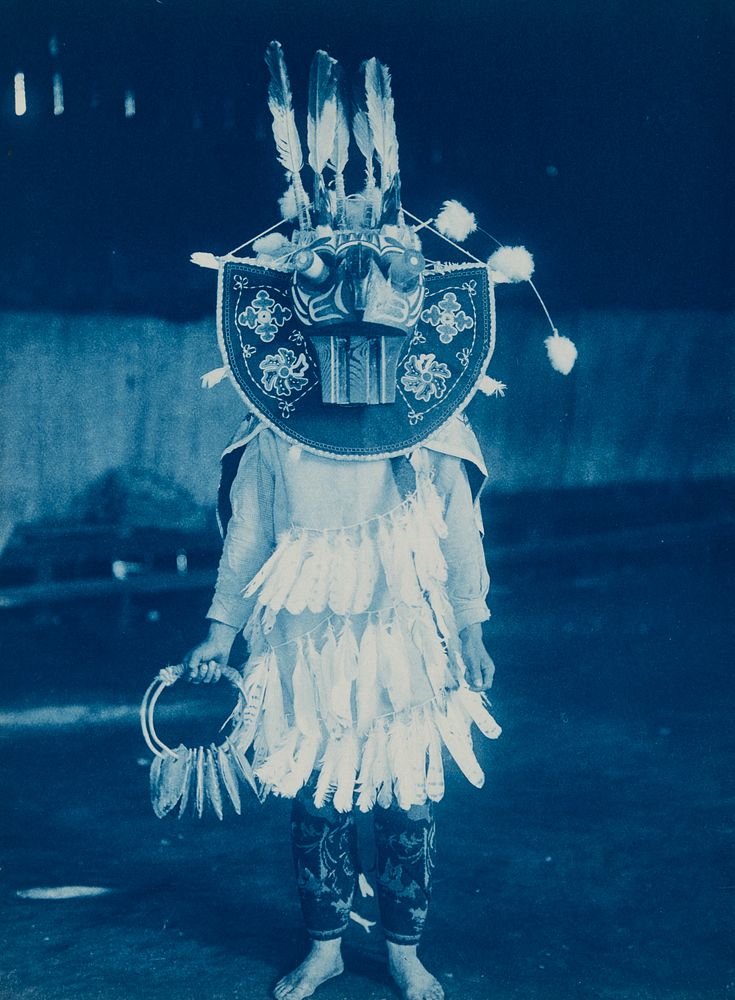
<point x="249" y="539"/>
<point x="468" y="581"/>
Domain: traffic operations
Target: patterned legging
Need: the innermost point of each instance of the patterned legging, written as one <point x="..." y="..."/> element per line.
<point x="326" y="859"/>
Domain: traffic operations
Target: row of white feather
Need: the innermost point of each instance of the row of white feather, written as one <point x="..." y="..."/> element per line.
<point x="398" y="755"/>
<point x="339" y="570"/>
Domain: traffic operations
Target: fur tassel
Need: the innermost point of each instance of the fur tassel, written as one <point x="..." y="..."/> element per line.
<point x="562" y="353"/>
<point x="510" y="264"/>
<point x="211" y="379"/>
<point x="455" y="221"/>
<point x="288" y="204"/>
<point x="272" y="245"/>
<point x="491" y="387"/>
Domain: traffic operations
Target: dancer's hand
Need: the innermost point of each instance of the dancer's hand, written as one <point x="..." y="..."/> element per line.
<point x="480" y="667"/>
<point x="205" y="661"/>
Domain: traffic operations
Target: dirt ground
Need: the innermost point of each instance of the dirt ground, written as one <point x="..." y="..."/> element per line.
<point x="595" y="863"/>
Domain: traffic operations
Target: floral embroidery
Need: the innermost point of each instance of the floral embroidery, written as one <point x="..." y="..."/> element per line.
<point x="425" y="376"/>
<point x="265" y="316"/>
<point x="448" y="317"/>
<point x="463" y="356"/>
<point x="283" y="372"/>
<point x="248" y="350"/>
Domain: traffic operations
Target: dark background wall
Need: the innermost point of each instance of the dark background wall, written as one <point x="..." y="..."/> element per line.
<point x="596" y="134"/>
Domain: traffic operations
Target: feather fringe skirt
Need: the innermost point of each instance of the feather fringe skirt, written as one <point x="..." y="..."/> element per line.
<point x="355" y="667"/>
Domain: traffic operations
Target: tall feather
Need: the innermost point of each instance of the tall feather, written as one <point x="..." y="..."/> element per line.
<point x="288" y="144"/>
<point x="379" y="100"/>
<point x="361" y="130"/>
<point x="321" y="126"/>
<point x="341" y="147"/>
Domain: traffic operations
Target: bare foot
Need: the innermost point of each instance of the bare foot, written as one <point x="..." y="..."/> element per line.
<point x="413" y="980"/>
<point x="323" y="962"/>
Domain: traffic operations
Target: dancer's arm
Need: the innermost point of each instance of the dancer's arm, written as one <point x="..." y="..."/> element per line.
<point x="248" y="543"/>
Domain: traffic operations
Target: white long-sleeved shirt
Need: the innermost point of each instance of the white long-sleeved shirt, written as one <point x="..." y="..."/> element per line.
<point x="278" y="487"/>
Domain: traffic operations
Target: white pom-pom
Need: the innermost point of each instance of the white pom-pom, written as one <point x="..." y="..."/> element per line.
<point x="491" y="386"/>
<point x="562" y="352"/>
<point x="271" y="245"/>
<point x="511" y="264"/>
<point x="213" y="378"/>
<point x="455" y="221"/>
<point x="202" y="259"/>
<point x="287" y="204"/>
